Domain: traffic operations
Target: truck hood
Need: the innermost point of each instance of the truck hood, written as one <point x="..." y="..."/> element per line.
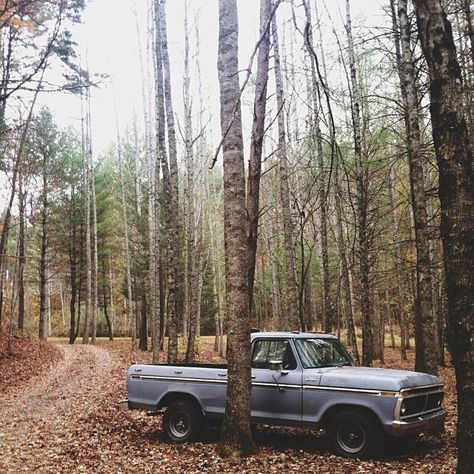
<point x="373" y="378"/>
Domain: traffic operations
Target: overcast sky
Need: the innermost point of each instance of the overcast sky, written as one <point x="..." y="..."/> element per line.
<point x="108" y="38"/>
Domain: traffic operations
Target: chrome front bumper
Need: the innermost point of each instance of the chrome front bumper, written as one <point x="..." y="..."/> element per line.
<point x="433" y="422"/>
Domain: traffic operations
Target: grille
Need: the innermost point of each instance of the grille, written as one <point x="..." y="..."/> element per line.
<point x="418" y="402"/>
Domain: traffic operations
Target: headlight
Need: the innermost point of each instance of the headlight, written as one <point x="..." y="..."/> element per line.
<point x="403" y="408"/>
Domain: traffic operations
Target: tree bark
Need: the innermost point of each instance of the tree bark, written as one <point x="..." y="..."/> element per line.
<point x="328" y="306"/>
<point x="291" y="318"/>
<point x="21" y="254"/>
<point x="454" y="153"/>
<point x="43" y="270"/>
<point x="169" y="172"/>
<point x="256" y="144"/>
<point x="191" y="260"/>
<point x="362" y="203"/>
<point x="236" y="437"/>
<point x="425" y="323"/>
<point x="87" y="221"/>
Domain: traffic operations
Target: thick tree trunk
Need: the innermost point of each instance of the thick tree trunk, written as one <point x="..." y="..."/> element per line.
<point x="174" y="246"/>
<point x="236" y="437"/>
<point x="454" y="153"/>
<point x="291" y="317"/>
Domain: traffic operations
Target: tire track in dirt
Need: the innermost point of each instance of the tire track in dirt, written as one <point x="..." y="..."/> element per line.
<point x="39" y="415"/>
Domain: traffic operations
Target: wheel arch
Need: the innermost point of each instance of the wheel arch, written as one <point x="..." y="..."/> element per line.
<point x="171" y="397"/>
<point x="339" y="407"/>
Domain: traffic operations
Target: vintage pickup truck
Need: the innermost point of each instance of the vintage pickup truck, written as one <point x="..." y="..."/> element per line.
<point x="298" y="379"/>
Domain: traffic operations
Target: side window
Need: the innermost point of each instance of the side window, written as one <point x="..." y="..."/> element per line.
<point x="265" y="351"/>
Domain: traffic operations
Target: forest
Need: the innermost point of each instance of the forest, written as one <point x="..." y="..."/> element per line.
<point x="296" y="165"/>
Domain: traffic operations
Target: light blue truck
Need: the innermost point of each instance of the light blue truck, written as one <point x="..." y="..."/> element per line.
<point x="298" y="379"/>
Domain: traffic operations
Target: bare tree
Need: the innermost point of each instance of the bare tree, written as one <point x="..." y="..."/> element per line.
<point x="291" y="307"/>
<point x="236" y="437"/>
<point x="256" y="143"/>
<point x="425" y="324"/>
<point x="362" y="201"/>
<point x="454" y="153"/>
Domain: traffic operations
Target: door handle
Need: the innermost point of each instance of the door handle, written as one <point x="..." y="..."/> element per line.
<point x="221" y="374"/>
<point x="138" y="370"/>
<point x="178" y="372"/>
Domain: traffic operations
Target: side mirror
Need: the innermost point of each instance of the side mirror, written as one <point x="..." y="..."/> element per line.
<point x="276" y="365"/>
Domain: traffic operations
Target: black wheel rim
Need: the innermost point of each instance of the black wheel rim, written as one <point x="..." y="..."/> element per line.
<point x="351" y="437"/>
<point x="180" y="424"/>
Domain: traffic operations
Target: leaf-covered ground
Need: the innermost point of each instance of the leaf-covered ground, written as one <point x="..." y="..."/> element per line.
<point x="68" y="420"/>
<point x="22" y="358"/>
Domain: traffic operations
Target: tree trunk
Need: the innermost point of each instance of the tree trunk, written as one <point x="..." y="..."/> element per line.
<point x="21" y="255"/>
<point x="316" y="135"/>
<point x="73" y="269"/>
<point x="43" y="266"/>
<point x="454" y="153"/>
<point x="191" y="261"/>
<point x="256" y="144"/>
<point x="291" y="317"/>
<point x="425" y="324"/>
<point x="362" y="203"/>
<point x="397" y="257"/>
<point x="174" y="246"/>
<point x="95" y="260"/>
<point x="143" y="344"/>
<point x="87" y="221"/>
<point x="236" y="437"/>
<point x="165" y="115"/>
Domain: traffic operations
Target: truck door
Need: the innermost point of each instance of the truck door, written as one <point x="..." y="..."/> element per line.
<point x="276" y="394"/>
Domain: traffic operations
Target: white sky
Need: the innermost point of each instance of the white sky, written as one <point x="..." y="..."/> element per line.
<point x="108" y="38"/>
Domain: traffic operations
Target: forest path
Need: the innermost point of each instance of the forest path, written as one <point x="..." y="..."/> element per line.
<point x="40" y="414"/>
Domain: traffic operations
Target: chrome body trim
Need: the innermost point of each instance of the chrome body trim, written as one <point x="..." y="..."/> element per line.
<point x="267" y="384"/>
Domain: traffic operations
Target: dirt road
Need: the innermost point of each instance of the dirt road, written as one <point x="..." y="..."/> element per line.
<point x="35" y="419"/>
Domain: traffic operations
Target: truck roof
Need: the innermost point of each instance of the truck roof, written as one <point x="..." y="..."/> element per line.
<point x="293" y="335"/>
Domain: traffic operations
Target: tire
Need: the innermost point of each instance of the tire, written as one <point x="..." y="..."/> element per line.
<point x="182" y="421"/>
<point x="354" y="434"/>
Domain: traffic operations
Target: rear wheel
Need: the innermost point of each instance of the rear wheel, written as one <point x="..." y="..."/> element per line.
<point x="182" y="421"/>
<point x="354" y="434"/>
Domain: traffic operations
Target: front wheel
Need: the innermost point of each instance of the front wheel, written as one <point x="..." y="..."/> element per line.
<point x="182" y="421"/>
<point x="354" y="434"/>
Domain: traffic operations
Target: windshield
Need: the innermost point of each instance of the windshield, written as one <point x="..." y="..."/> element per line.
<point x="322" y="353"/>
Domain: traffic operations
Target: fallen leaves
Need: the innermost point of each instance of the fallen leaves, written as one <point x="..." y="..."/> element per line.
<point x="84" y="430"/>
